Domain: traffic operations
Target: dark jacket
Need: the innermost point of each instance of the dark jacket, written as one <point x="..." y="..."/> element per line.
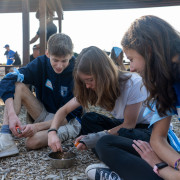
<point x="52" y="89"/>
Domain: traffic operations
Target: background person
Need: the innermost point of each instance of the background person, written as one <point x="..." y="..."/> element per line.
<point x="117" y="56"/>
<point x="9" y="54"/>
<point x="35" y="53"/>
<point x="50" y="26"/>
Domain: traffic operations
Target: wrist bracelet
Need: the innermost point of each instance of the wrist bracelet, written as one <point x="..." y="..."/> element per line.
<point x="159" y="166"/>
<point x="176" y="164"/>
<point x="53" y="129"/>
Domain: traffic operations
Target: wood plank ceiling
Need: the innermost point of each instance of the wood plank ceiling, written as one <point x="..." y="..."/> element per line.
<point x="13" y="6"/>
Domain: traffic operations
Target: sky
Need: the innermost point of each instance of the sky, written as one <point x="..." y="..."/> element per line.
<point x="104" y="28"/>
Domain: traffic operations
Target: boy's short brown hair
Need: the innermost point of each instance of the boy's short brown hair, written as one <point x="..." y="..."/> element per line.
<point x="60" y="45"/>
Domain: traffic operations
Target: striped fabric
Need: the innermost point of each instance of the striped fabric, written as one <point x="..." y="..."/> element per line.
<point x="174" y="140"/>
<point x="177" y="90"/>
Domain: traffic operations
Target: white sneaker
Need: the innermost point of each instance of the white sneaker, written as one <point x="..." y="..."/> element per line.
<point x="100" y="172"/>
<point x="7" y="145"/>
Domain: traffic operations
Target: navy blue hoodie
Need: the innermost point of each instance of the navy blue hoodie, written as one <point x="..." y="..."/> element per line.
<point x="52" y="89"/>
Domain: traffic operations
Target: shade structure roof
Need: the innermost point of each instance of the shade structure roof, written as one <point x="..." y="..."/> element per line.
<point x="13" y="6"/>
<point x="73" y="5"/>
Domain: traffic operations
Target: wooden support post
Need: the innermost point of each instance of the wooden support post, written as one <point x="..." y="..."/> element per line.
<point x="60" y="22"/>
<point x="42" y="18"/>
<point x="59" y="11"/>
<point x="25" y="20"/>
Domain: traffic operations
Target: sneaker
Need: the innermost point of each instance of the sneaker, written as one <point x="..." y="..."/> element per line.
<point x="7" y="145"/>
<point x="100" y="172"/>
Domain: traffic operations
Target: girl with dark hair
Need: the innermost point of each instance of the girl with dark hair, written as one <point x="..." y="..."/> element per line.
<point x="153" y="48"/>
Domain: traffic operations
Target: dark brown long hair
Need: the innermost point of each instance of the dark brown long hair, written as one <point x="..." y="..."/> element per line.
<point x="158" y="43"/>
<point x="108" y="78"/>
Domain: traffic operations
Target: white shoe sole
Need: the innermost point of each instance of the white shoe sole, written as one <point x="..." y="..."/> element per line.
<point x="9" y="152"/>
<point x="95" y="166"/>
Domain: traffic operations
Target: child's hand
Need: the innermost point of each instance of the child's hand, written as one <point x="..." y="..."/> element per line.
<point x="79" y="145"/>
<point x="18" y="130"/>
<point x="146" y="152"/>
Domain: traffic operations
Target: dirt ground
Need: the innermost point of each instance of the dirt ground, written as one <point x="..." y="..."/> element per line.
<point x="35" y="164"/>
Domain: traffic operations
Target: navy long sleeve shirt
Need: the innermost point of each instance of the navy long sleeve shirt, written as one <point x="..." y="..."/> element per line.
<point x="52" y="90"/>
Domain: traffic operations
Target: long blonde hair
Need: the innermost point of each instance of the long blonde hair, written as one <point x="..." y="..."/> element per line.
<point x="109" y="80"/>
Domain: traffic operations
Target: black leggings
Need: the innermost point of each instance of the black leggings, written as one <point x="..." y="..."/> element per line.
<point x="93" y="122"/>
<point x="117" y="153"/>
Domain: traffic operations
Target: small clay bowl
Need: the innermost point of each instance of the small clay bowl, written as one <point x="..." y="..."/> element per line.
<point x="62" y="160"/>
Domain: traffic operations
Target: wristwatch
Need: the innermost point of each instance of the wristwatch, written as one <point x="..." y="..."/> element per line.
<point x="159" y="166"/>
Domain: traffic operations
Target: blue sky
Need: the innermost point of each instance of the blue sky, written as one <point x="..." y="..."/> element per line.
<point x="103" y="28"/>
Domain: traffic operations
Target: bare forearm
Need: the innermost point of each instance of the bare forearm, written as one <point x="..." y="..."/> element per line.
<point x="10" y="107"/>
<point x="43" y="125"/>
<point x="58" y="119"/>
<point x="168" y="155"/>
<point x="169" y="173"/>
<point x="10" y="117"/>
<point x="130" y="118"/>
<point x="60" y="116"/>
<point x="34" y="39"/>
<point x="160" y="144"/>
<point x="114" y="130"/>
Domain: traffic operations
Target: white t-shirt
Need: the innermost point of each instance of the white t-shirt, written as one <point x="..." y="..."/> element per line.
<point x="133" y="92"/>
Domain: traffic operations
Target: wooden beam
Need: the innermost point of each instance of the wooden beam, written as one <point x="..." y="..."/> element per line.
<point x="42" y="18"/>
<point x="59" y="11"/>
<point x="25" y="26"/>
<point x="60" y="21"/>
<point x="13" y="6"/>
<point x="78" y="5"/>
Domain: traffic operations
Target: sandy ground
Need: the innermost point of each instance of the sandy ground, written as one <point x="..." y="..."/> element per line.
<point x="35" y="164"/>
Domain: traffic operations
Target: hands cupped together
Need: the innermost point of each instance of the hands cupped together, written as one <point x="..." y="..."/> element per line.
<point x="28" y="130"/>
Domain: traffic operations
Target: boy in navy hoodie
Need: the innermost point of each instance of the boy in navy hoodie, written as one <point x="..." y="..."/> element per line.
<point x="52" y="76"/>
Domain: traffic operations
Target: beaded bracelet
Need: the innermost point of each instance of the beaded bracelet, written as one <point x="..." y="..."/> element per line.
<point x="177" y="164"/>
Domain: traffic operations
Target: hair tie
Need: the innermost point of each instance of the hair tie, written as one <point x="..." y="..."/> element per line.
<point x="176" y="164"/>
